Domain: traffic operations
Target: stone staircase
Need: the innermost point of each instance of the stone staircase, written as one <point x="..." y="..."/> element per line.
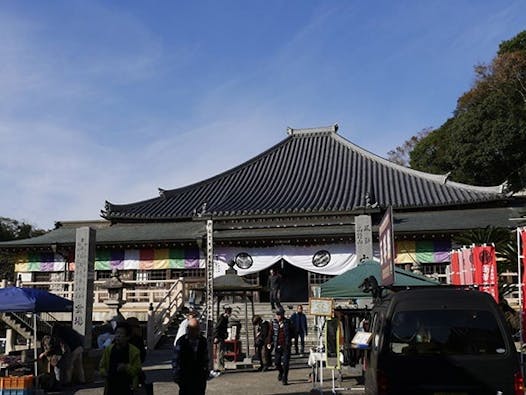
<point x="17" y="325"/>
<point x="22" y="325"/>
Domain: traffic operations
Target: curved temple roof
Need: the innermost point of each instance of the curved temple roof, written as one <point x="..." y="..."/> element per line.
<point x="312" y="170"/>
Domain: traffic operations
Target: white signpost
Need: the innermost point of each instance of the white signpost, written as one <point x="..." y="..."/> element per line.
<point x="363" y="235"/>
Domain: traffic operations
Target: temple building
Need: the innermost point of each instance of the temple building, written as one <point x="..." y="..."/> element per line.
<point x="291" y="207"/>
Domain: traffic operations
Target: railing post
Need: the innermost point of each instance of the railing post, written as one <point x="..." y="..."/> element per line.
<point x="150" y="328"/>
<point x="181" y="293"/>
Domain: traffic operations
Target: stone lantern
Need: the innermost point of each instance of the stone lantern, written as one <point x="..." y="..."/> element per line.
<point x="115" y="286"/>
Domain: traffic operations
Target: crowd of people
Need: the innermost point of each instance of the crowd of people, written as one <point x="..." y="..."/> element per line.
<point x="124" y="351"/>
<point x="194" y="361"/>
<point x="61" y="355"/>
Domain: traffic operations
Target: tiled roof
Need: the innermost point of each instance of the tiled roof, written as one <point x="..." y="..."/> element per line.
<point x="188" y="231"/>
<point x="312" y="170"/>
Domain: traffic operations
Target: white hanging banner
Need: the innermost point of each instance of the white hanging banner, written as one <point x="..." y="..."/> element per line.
<point x="330" y="259"/>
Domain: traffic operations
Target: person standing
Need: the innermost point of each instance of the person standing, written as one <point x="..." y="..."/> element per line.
<point x="120" y="364"/>
<point x="190" y="362"/>
<point x="136" y="337"/>
<point x="181" y="331"/>
<point x="261" y="342"/>
<point x="299" y="320"/>
<point x="73" y="349"/>
<point x="274" y="286"/>
<point x="281" y="332"/>
<point x="220" y="335"/>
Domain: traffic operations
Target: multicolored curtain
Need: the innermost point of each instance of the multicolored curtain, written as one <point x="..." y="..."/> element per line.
<point x="39" y="262"/>
<point x="436" y="251"/>
<point x="143" y="259"/>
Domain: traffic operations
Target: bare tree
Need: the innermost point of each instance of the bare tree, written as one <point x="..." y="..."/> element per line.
<point x="400" y="154"/>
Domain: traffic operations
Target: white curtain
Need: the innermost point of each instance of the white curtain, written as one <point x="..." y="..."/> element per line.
<point x="342" y="258"/>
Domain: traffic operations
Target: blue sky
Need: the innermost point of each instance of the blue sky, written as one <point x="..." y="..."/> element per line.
<point x="108" y="100"/>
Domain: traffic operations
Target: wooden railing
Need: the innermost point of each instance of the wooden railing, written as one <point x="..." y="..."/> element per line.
<point x="143" y="291"/>
<point x="161" y="316"/>
<point x="162" y="299"/>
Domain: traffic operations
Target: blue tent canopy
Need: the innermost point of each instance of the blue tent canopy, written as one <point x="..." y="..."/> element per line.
<point x="23" y="300"/>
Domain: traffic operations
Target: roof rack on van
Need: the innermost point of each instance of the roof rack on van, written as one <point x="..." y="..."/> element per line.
<point x="370" y="285"/>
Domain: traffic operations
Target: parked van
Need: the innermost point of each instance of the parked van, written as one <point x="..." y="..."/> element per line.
<point x="441" y="341"/>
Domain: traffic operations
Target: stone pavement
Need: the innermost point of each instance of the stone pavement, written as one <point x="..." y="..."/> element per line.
<point x="158" y="371"/>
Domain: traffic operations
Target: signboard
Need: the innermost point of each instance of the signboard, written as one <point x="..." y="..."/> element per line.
<point x="321" y="306"/>
<point x="361" y="339"/>
<point x="387" y="256"/>
<point x="363" y="236"/>
<point x="84" y="276"/>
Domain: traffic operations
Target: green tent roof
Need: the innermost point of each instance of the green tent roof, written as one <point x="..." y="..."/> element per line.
<point x="346" y="285"/>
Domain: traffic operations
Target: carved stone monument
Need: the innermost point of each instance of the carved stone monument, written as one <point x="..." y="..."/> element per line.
<point x="84" y="276"/>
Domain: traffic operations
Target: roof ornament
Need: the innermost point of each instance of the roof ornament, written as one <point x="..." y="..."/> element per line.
<point x="505" y="187"/>
<point x="313" y="131"/>
<point x="162" y="193"/>
<point x="202" y="211"/>
<point x="446" y="177"/>
<point x="369" y="201"/>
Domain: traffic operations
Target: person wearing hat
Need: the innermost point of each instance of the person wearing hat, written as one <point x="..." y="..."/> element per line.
<point x="281" y="335"/>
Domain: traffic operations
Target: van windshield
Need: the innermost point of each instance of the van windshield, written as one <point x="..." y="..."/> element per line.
<point x="445" y="332"/>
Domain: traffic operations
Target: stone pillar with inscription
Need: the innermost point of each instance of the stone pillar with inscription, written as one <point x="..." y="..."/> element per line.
<point x="363" y="233"/>
<point x="84" y="276"/>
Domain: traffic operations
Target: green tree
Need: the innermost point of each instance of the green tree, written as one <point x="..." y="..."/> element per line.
<point x="11" y="229"/>
<point x="483" y="142"/>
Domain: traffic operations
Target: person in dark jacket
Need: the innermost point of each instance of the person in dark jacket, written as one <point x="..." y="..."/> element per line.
<point x="136" y="337"/>
<point x="120" y="364"/>
<point x="281" y="335"/>
<point x="220" y="335"/>
<point x="274" y="286"/>
<point x="261" y="342"/>
<point x="299" y="320"/>
<point x="190" y="362"/>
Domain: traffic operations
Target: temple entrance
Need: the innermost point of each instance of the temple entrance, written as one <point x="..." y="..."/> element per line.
<point x="294" y="286"/>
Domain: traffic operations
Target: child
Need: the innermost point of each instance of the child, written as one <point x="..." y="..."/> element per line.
<point x="121" y="364"/>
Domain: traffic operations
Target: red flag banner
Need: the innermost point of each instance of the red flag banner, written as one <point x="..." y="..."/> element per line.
<point x="522" y="238"/>
<point x="467" y="257"/>
<point x="485" y="263"/>
<point x="461" y="270"/>
<point x="454" y="269"/>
